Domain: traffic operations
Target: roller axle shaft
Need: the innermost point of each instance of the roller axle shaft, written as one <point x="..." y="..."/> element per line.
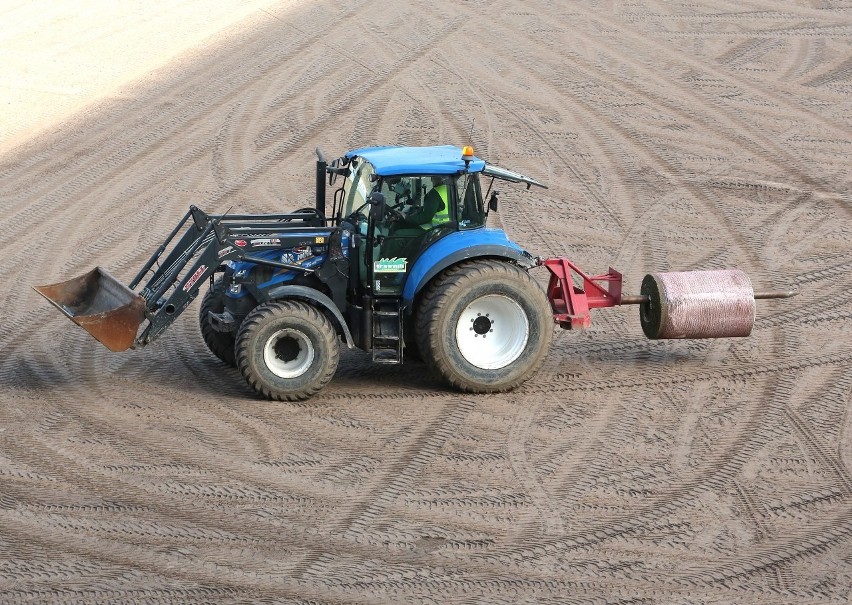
<point x="774" y="294"/>
<point x="644" y="298"/>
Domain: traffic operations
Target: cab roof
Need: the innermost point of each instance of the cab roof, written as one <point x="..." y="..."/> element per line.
<point x="438" y="159"/>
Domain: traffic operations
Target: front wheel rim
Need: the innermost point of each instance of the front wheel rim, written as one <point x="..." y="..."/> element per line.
<point x="492" y="332"/>
<point x="288" y="353"/>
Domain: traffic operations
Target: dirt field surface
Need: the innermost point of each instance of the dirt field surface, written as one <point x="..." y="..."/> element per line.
<point x="673" y="136"/>
<point x="60" y="56"/>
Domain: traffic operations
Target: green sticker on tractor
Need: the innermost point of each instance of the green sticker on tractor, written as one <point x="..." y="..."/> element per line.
<point x="390" y="265"/>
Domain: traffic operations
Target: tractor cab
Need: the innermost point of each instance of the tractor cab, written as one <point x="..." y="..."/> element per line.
<point x="402" y="200"/>
<point x="415" y="212"/>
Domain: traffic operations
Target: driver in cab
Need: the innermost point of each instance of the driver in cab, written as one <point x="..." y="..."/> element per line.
<point x="407" y="226"/>
<point x="431" y="213"/>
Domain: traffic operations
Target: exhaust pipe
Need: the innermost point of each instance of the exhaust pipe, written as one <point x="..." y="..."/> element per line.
<point x="101" y="305"/>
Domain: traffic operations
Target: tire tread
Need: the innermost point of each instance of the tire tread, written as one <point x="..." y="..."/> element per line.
<point x="435" y="300"/>
<point x="266" y="312"/>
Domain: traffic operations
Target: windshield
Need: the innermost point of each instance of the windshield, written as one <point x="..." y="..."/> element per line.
<point x="356" y="186"/>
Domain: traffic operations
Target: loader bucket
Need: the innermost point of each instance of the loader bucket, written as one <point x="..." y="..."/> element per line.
<point x="101" y="305"/>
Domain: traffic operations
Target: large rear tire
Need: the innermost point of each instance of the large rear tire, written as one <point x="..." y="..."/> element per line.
<point x="287" y="350"/>
<point x="484" y="326"/>
<point x="221" y="344"/>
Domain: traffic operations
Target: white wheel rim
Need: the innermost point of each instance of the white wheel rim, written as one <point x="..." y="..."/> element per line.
<point x="492" y="332"/>
<point x="288" y="353"/>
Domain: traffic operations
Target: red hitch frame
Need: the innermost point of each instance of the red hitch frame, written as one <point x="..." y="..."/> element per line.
<point x="571" y="304"/>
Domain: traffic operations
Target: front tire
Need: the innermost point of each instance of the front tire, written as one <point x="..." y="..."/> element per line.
<point x="287" y="350"/>
<point x="484" y="326"/>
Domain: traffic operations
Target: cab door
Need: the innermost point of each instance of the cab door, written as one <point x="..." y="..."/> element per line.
<point x="419" y="210"/>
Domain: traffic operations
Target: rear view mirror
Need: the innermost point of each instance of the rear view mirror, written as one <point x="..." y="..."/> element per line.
<point x="492" y="201"/>
<point x="377" y="205"/>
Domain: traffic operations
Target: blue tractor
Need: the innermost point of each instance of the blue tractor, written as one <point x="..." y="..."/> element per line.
<point x="403" y="266"/>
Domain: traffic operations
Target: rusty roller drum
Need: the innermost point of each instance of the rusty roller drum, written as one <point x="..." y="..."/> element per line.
<point x="697" y="304"/>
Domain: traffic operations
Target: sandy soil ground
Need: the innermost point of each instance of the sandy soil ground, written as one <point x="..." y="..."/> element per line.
<point x="60" y="56"/>
<point x="673" y="135"/>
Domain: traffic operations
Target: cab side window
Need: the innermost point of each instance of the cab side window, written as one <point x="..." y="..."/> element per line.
<point x="471" y="213"/>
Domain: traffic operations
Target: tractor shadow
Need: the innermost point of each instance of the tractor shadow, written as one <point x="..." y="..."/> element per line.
<point x="357" y="376"/>
<point x="358" y="372"/>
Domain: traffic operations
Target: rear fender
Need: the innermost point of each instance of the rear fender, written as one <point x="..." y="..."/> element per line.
<point x="318" y="299"/>
<point x="458" y="247"/>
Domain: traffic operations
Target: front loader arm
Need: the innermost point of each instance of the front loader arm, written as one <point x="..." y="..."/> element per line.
<point x="206" y="244"/>
<point x="165" y="306"/>
<point x="112" y="312"/>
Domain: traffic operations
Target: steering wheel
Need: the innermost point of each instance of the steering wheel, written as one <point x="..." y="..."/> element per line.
<point x="394" y="214"/>
<point x="391" y="212"/>
<point x="358" y="214"/>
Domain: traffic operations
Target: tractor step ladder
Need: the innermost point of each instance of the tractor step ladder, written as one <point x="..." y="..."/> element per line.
<point x="387" y="342"/>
